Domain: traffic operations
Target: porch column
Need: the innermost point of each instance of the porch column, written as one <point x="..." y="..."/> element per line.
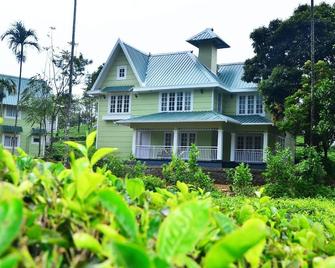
<point x="265" y="145"/>
<point x="219" y="144"/>
<point x="133" y="146"/>
<point x="232" y="146"/>
<point x="175" y="141"/>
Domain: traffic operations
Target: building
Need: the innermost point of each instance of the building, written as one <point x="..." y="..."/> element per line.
<point x="156" y="105"/>
<point x="27" y="134"/>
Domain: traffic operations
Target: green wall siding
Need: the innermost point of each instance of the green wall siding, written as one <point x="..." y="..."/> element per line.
<point x="111" y="79"/>
<point x="229" y="104"/>
<point x="202" y="99"/>
<point x="145" y="103"/>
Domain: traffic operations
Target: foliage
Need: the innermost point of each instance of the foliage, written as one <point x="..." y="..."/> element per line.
<point x="188" y="172"/>
<point x="241" y="179"/>
<point x="285" y="178"/>
<point x="152" y="182"/>
<point x="7" y="87"/>
<point x="281" y="50"/>
<point x="52" y="216"/>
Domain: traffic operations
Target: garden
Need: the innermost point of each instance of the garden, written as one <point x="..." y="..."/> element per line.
<point x="98" y="211"/>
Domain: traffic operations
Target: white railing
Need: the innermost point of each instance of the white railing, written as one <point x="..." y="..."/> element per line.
<point x="249" y="155"/>
<point x="206" y="153"/>
<point x="153" y="152"/>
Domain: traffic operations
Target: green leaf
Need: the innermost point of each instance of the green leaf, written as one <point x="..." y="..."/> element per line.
<point x="81" y="148"/>
<point x="90" y="139"/>
<point x="11" y="217"/>
<point x="101" y="153"/>
<point x="10" y="261"/>
<point x="253" y="255"/>
<point x="9" y="162"/>
<point x="115" y="203"/>
<point x="87" y="183"/>
<point x="225" y="224"/>
<point x="130" y="255"/>
<point x="134" y="187"/>
<point x="182" y="229"/>
<point x="234" y="245"/>
<point x="86" y="241"/>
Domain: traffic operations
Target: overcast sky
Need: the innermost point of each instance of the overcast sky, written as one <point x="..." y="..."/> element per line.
<point x="150" y="25"/>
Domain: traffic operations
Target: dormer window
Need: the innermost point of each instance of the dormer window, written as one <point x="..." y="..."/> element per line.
<point x="121" y="72"/>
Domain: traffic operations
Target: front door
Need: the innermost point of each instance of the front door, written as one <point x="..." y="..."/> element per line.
<point x="186" y="140"/>
<point x="144" y="142"/>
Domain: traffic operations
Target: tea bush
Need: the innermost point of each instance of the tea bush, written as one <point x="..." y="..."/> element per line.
<point x="187" y="171"/>
<point x="241" y="179"/>
<point x="152" y="182"/>
<point x="84" y="216"/>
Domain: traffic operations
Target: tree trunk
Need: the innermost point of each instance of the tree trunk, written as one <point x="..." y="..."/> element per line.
<point x="51" y="132"/>
<point x="18" y="98"/>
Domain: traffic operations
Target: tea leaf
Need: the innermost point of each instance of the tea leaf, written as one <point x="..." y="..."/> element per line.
<point x="81" y="148"/>
<point x="101" y="153"/>
<point x="90" y="139"/>
<point x="134" y="187"/>
<point x="86" y="241"/>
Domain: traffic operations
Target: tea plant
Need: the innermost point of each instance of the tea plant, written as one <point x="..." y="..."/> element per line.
<point x="241" y="179"/>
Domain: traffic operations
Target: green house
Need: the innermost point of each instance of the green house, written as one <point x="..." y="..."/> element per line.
<point x="27" y="136"/>
<point x="156" y="105"/>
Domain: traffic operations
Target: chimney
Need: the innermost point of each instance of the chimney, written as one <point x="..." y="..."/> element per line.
<point x="208" y="43"/>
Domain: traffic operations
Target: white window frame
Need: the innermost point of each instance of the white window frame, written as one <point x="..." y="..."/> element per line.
<point x="164" y="138"/>
<point x="118" y="77"/>
<point x="175" y="101"/>
<point x="32" y="139"/>
<point x="188" y="138"/>
<point x="12" y="135"/>
<point x="117" y="113"/>
<point x="244" y="136"/>
<point x="11" y="117"/>
<point x="246" y="104"/>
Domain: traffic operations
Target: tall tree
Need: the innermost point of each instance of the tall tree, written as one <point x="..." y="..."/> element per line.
<point x="19" y="38"/>
<point x="281" y="50"/>
<point x="7" y="87"/>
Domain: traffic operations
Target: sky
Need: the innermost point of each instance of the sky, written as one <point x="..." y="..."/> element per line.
<point x="154" y="26"/>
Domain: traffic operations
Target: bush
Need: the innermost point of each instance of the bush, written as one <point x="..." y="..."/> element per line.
<point x="153" y="182"/>
<point x="241" y="179"/>
<point x="57" y="153"/>
<point x="188" y="172"/>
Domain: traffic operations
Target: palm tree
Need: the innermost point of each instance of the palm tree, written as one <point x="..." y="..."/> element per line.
<point x="18" y="39"/>
<point x="7" y="87"/>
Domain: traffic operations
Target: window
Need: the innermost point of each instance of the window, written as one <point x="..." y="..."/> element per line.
<point x="250" y="104"/>
<point x="219" y="103"/>
<point x="168" y="139"/>
<point x="10" y="111"/>
<point x="9" y="140"/>
<point x="187" y="139"/>
<point x="249" y="142"/>
<point x="175" y="101"/>
<point x="121" y="72"/>
<point x="35" y="139"/>
<point x="119" y="104"/>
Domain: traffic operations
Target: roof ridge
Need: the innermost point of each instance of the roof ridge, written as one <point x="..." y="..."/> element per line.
<point x="13" y="76"/>
<point x="171" y="53"/>
<point x="231" y="63"/>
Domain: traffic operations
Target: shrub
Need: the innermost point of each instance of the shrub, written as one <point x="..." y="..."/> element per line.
<point x="153" y="182"/>
<point x="188" y="172"/>
<point x="57" y="153"/>
<point x="241" y="179"/>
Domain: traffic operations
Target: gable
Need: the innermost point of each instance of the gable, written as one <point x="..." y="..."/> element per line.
<point x="111" y="76"/>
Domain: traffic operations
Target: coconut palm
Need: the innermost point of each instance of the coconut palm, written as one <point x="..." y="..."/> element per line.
<point x="19" y="38"/>
<point x="7" y="87"/>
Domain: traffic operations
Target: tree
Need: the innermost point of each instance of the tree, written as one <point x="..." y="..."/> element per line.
<point x="18" y="39"/>
<point x="37" y="104"/>
<point x="298" y="106"/>
<point x="282" y="49"/>
<point x="7" y="87"/>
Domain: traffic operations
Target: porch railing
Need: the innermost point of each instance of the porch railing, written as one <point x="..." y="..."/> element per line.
<point x="249" y="155"/>
<point x="153" y="152"/>
<point x="206" y="153"/>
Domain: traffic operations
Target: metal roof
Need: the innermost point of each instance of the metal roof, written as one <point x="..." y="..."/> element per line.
<point x="207" y="36"/>
<point x="37" y="131"/>
<point x="252" y="119"/>
<point x="117" y="89"/>
<point x="181" y="117"/>
<point x="231" y="77"/>
<point x="12" y="99"/>
<point x="10" y="129"/>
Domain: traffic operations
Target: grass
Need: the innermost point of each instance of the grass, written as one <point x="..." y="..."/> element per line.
<point x="73" y="131"/>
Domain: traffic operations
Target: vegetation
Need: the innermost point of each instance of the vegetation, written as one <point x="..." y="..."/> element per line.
<point x="19" y="38"/>
<point x="7" y="87"/>
<point x="69" y="217"/>
<point x="241" y="179"/>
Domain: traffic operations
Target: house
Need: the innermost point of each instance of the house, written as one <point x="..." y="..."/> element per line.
<point x="156" y="105"/>
<point x="27" y="134"/>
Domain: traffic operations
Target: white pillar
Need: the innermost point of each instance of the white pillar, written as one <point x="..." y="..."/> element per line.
<point x="232" y="146"/>
<point x="175" y="141"/>
<point x="133" y="147"/>
<point x="265" y="145"/>
<point x="219" y="144"/>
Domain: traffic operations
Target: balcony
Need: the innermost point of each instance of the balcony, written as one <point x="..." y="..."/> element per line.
<point x="249" y="155"/>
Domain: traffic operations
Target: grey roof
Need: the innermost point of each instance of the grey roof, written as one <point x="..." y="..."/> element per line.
<point x="12" y="99"/>
<point x="231" y="77"/>
<point x="251" y="119"/>
<point x="181" y="117"/>
<point x="207" y="36"/>
<point x="139" y="59"/>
